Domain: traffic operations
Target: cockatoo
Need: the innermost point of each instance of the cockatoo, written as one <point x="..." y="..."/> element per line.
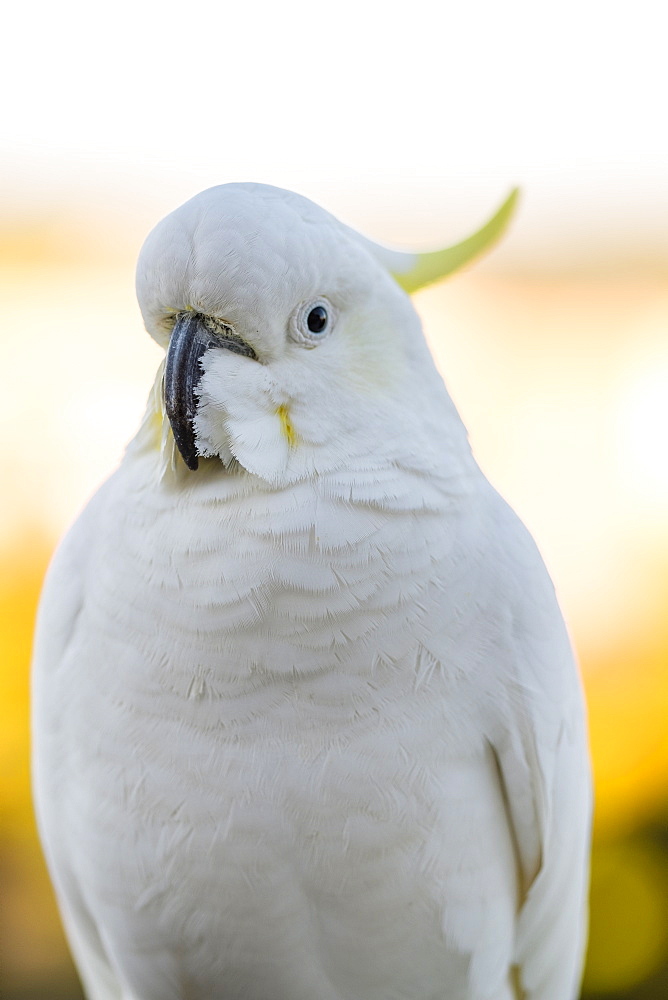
<point x="307" y="722"/>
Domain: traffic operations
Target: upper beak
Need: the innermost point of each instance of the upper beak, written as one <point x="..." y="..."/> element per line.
<point x="192" y="336"/>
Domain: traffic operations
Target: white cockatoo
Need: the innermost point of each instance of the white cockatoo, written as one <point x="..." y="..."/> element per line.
<point x="306" y="717"/>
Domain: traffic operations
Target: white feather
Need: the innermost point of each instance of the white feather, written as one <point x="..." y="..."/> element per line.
<point x="307" y="722"/>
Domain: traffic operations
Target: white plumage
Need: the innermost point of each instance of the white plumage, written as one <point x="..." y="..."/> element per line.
<point x="307" y="723"/>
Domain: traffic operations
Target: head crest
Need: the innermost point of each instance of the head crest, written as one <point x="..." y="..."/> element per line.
<point x="415" y="270"/>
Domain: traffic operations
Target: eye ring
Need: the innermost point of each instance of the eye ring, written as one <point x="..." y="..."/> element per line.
<point x="312" y="322"/>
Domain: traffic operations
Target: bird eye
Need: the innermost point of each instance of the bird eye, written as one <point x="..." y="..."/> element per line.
<point x="317" y="319"/>
<point x="312" y="322"/>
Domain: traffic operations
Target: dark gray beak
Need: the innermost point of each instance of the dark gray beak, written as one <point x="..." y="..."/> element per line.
<point x="192" y="336"/>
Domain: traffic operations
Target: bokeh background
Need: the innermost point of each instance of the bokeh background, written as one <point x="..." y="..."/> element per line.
<point x="410" y="122"/>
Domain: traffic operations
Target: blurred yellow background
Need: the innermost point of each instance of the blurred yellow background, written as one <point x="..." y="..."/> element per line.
<point x="555" y="348"/>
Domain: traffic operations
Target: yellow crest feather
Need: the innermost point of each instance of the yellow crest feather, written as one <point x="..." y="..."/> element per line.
<point x="429" y="267"/>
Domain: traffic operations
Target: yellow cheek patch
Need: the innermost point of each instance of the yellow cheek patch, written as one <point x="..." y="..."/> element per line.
<point x="157" y="419"/>
<point x="155" y="430"/>
<point x="287" y="428"/>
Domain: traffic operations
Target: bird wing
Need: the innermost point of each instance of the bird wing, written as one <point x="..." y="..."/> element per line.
<point x="540" y="745"/>
<point x="60" y="609"/>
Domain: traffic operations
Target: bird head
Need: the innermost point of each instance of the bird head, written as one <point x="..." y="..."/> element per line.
<point x="291" y="343"/>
